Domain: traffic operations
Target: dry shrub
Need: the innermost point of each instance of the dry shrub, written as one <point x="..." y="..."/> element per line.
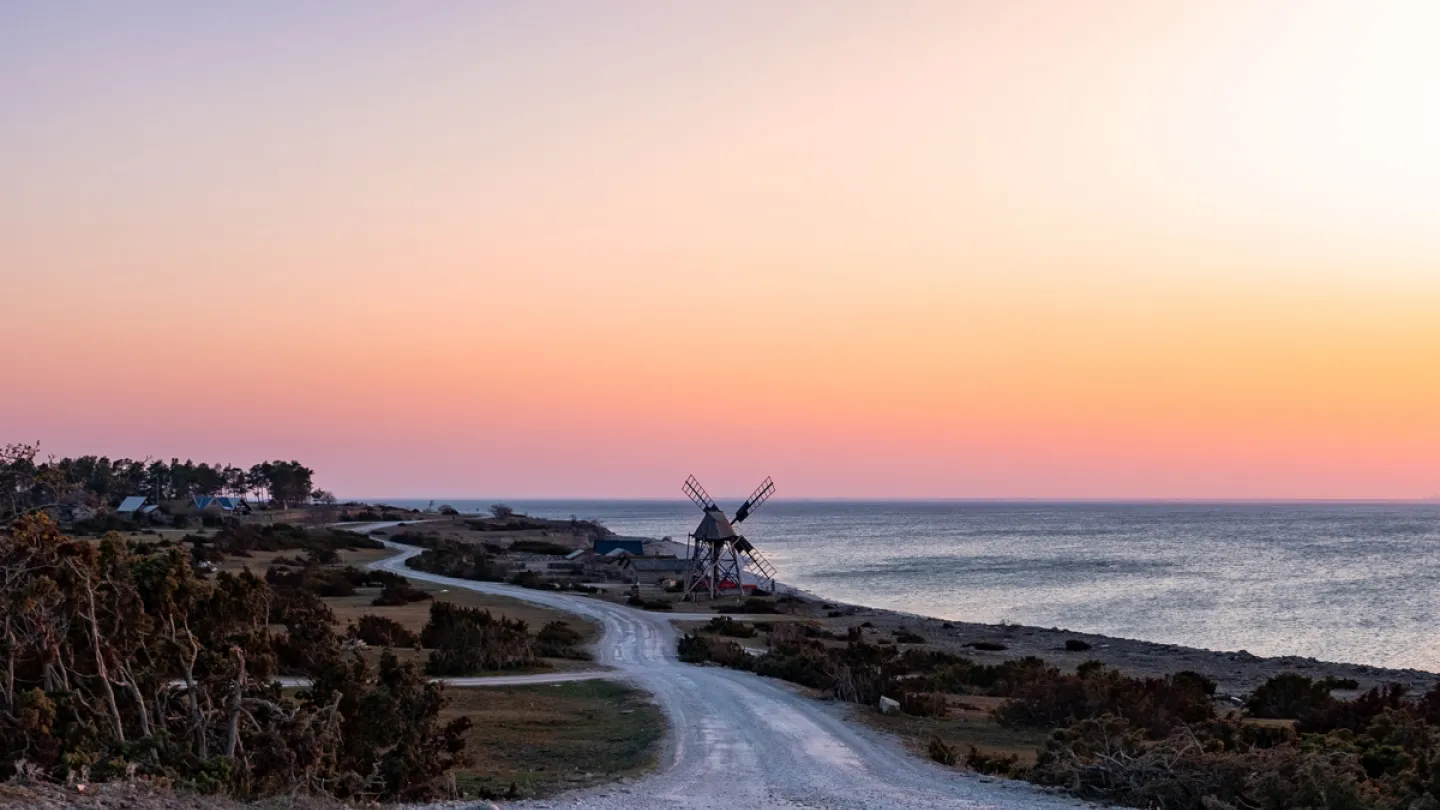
<point x="993" y="764"/>
<point x="1104" y="759"/>
<point x="942" y="752"/>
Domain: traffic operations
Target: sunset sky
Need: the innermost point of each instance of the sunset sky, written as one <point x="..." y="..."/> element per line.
<point x="1102" y="249"/>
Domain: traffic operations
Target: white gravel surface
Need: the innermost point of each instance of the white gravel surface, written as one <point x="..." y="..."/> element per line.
<point x="741" y="741"/>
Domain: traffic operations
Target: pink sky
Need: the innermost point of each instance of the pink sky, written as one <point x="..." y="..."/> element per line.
<point x="944" y="249"/>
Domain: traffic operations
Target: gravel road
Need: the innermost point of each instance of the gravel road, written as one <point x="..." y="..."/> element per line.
<point x="741" y="741"/>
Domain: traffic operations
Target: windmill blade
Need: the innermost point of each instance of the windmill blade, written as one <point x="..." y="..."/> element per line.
<point x="698" y="494"/>
<point x="761" y="494"/>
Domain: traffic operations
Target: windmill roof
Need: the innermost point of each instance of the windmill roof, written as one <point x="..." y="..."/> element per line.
<point x="714" y="526"/>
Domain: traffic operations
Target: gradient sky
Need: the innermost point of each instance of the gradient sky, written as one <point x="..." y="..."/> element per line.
<point x="1112" y="249"/>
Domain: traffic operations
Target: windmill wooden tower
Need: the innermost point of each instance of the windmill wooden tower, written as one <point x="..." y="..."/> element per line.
<point x="719" y="556"/>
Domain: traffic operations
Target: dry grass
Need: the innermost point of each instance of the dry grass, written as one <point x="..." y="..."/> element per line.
<point x="361" y="557"/>
<point x="414" y="615"/>
<point x="969" y="723"/>
<point x="547" y="738"/>
<point x="257" y="561"/>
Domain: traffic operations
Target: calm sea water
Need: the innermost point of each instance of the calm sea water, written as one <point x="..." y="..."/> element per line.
<point x="1348" y="582"/>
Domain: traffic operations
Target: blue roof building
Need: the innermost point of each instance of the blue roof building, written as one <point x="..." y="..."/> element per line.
<point x="629" y="545"/>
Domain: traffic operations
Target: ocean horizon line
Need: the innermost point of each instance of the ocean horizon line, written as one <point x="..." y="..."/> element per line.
<point x="439" y="500"/>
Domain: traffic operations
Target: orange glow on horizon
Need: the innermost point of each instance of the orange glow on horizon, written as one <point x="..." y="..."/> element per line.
<point x="944" y="250"/>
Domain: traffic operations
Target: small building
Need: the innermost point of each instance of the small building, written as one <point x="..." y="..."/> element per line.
<point x="204" y="503"/>
<point x="133" y="505"/>
<point x="656" y="570"/>
<point x="630" y="545"/>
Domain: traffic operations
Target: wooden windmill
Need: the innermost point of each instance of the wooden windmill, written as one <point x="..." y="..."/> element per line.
<point x="719" y="556"/>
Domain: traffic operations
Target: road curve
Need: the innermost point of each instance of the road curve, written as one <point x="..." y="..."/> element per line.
<point x="739" y="740"/>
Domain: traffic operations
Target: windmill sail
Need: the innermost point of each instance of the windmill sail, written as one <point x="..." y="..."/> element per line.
<point x="761" y="494"/>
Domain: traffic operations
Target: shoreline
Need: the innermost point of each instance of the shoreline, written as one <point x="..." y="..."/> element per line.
<point x="1236" y="672"/>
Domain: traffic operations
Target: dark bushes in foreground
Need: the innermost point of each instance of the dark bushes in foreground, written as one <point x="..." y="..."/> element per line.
<point x="93" y="696"/>
<point x="1380" y="751"/>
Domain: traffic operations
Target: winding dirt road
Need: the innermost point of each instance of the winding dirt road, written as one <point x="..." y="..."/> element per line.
<point x="741" y="741"/>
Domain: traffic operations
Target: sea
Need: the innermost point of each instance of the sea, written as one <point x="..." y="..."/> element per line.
<point x="1354" y="582"/>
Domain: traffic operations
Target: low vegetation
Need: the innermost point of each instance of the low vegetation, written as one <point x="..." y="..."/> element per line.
<point x="118" y="662"/>
<point x="381" y="631"/>
<point x="513" y="522"/>
<point x="1143" y="742"/>
<point x="365" y="513"/>
<point x="452" y="558"/>
<point x="468" y="641"/>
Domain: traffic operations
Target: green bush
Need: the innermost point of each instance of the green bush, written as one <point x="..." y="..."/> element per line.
<point x="559" y="640"/>
<point x="697" y="649"/>
<point x="1288" y="696"/>
<point x="1156" y="705"/>
<point x="452" y="559"/>
<point x="466" y="641"/>
<point x="382" y="631"/>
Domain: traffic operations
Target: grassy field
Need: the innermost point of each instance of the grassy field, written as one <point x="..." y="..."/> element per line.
<point x="546" y="738"/>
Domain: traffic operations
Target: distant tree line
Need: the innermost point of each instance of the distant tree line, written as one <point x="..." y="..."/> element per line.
<point x="27" y="484"/>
